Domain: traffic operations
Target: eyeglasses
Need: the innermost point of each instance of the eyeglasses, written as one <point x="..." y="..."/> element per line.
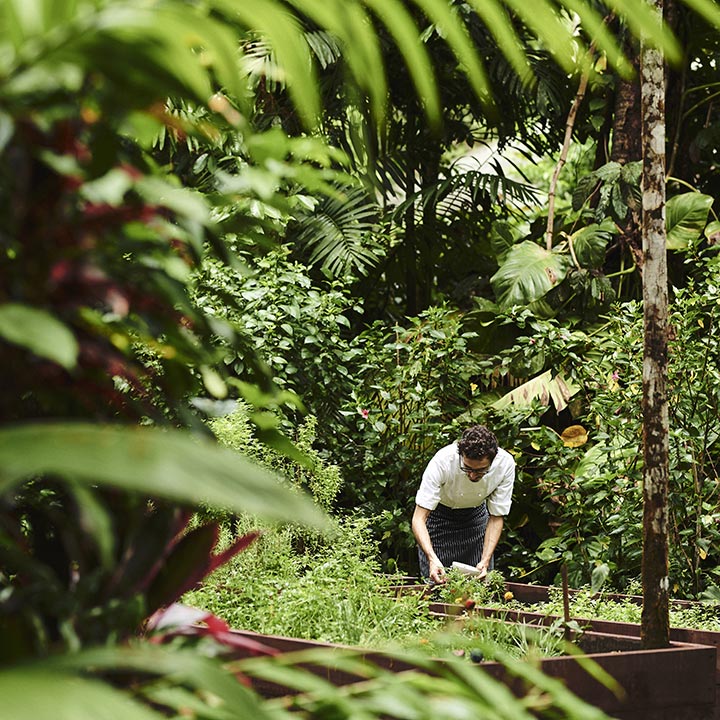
<point x="478" y="472"/>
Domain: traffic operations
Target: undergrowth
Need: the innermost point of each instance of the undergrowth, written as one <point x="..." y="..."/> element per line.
<point x="336" y="593"/>
<point x="584" y="603"/>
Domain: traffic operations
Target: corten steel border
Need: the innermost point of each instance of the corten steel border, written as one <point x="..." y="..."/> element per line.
<point x="540" y="593"/>
<point x="675" y="683"/>
<point x="608" y="627"/>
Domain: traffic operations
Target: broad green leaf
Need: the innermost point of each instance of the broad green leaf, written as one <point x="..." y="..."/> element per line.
<point x="600" y="574"/>
<point x="501" y="239"/>
<point x="598" y="457"/>
<point x="686" y="216"/>
<point x="712" y="231"/>
<point x="40" y="332"/>
<point x="187" y="203"/>
<point x="7" y="128"/>
<point x="44" y="694"/>
<point x="109" y="188"/>
<point x="213" y="382"/>
<point x="170" y="464"/>
<point x="528" y="273"/>
<point x="188" y="667"/>
<point x="95" y="517"/>
<point x="590" y="243"/>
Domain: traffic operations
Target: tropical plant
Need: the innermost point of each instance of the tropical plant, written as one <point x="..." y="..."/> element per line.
<point x="577" y="497"/>
<point x="97" y="241"/>
<point x="295" y="325"/>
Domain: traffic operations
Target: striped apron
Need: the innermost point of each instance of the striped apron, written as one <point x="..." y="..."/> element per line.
<point x="456" y="535"/>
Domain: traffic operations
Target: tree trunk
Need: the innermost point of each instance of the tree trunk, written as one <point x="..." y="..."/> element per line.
<point x="655" y="627"/>
<point x="626" y="135"/>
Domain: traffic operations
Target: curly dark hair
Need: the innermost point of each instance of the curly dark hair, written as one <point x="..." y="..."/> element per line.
<point x="477" y="442"/>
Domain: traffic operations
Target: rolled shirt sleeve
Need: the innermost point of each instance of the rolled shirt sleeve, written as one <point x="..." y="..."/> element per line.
<point x="499" y="501"/>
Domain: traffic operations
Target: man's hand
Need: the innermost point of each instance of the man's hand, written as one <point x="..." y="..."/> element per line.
<point x="482" y="567"/>
<point x="437" y="572"/>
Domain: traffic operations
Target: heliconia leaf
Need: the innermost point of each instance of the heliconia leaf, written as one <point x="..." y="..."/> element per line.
<point x="140" y="562"/>
<point x="169" y="464"/>
<point x="528" y="273"/>
<point x="94" y="517"/>
<point x="184" y="666"/>
<point x="686" y="216"/>
<point x="40" y="332"/>
<point x="189" y="562"/>
<point x="239" y="545"/>
<point x="186" y="563"/>
<point x="179" y="620"/>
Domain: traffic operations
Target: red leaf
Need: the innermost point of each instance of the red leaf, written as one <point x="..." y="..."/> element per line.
<point x="238" y="546"/>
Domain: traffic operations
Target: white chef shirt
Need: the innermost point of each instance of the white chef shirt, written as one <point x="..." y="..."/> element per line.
<point x="444" y="482"/>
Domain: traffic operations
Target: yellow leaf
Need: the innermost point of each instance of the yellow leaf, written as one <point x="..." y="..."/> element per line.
<point x="574" y="436"/>
<point x="702" y="553"/>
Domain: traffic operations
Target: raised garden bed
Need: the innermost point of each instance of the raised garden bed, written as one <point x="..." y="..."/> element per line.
<point x="534" y="594"/>
<point x="675" y="683"/>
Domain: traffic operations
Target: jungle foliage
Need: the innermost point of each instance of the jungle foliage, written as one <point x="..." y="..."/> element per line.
<point x="207" y="206"/>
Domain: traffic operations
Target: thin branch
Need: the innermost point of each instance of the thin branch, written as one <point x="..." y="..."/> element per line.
<point x="569" y="125"/>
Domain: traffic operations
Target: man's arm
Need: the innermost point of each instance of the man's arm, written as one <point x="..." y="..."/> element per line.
<point x="419" y="528"/>
<point x="492" y="537"/>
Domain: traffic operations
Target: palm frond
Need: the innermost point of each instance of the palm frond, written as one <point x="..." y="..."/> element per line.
<point x="339" y="234"/>
<point x="463" y="193"/>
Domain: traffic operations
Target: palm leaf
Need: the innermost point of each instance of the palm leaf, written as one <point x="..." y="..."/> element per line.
<point x="339" y="233"/>
<point x="466" y="187"/>
<point x="284" y="33"/>
<point x="351" y="25"/>
<point x="458" y="38"/>
<point x="62" y="688"/>
<point x="463" y="192"/>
